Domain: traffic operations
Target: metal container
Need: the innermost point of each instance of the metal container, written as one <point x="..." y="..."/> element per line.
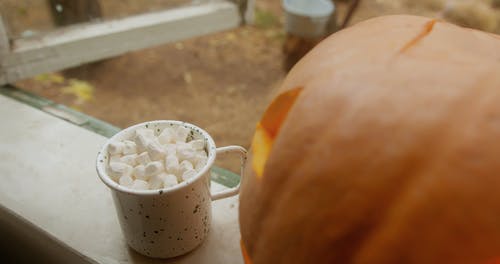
<point x="309" y="18"/>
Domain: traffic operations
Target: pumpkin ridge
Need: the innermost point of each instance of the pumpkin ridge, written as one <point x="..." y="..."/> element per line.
<point x="295" y="93"/>
<point x="416" y="168"/>
<point x="404" y="196"/>
<point x="366" y="227"/>
<point x="269" y="207"/>
<point x="431" y="139"/>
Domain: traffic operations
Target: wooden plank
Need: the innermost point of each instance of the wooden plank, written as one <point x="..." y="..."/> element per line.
<point x="4" y="39"/>
<point x="75" y="45"/>
<point x="4" y="47"/>
<point x="249" y="14"/>
<point x="70" y="12"/>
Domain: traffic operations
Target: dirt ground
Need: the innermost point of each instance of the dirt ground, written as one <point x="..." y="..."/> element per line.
<point x="221" y="82"/>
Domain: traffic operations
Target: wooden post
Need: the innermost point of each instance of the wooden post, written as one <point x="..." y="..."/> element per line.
<point x="4" y="49"/>
<point x="4" y="41"/>
<point x="350" y="12"/>
<point x="249" y="14"/>
<point x="68" y="12"/>
<point x="246" y="9"/>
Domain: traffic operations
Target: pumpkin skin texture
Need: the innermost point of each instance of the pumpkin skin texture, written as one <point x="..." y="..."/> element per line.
<point x="390" y="153"/>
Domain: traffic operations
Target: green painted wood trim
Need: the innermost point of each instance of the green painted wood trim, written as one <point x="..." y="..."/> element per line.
<point x="60" y="111"/>
<point x="224" y="177"/>
<point x="219" y="175"/>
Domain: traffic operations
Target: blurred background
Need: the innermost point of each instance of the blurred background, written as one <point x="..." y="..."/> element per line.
<point x="221" y="82"/>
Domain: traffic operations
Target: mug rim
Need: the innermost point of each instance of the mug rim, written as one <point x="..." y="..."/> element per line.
<point x="103" y="175"/>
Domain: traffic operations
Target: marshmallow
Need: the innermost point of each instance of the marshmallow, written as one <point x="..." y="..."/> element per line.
<point x="129" y="147"/>
<point x="181" y="134"/>
<point x="200" y="164"/>
<point x="181" y="145"/>
<point x="167" y="136"/>
<point x="170" y="149"/>
<point x="115" y="148"/>
<point x="201" y="160"/>
<point x="160" y="161"/>
<point x="142" y="159"/>
<point x="129" y="159"/>
<point x="118" y="169"/>
<point x="155" y="182"/>
<point x="115" y="158"/>
<point x="188" y="174"/>
<point x="186" y="153"/>
<point x="185" y="166"/>
<point x="126" y="180"/>
<point x="140" y="185"/>
<point x="169" y="180"/>
<point x="154" y="168"/>
<point x="140" y="172"/>
<point x="155" y="150"/>
<point x="197" y="144"/>
<point x="201" y="154"/>
<point x="141" y="142"/>
<point x="172" y="164"/>
<point x="149" y="133"/>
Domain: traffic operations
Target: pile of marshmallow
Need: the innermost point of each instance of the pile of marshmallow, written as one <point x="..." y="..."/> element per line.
<point x="148" y="161"/>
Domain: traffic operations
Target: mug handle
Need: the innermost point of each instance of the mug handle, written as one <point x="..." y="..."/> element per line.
<point x="235" y="190"/>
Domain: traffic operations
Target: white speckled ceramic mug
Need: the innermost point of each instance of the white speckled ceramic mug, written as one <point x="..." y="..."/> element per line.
<point x="172" y="221"/>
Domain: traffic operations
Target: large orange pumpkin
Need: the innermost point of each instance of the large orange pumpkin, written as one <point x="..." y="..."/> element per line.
<point x="382" y="147"/>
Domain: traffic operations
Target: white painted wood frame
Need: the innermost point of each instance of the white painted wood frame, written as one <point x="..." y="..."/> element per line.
<point x="75" y="45"/>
